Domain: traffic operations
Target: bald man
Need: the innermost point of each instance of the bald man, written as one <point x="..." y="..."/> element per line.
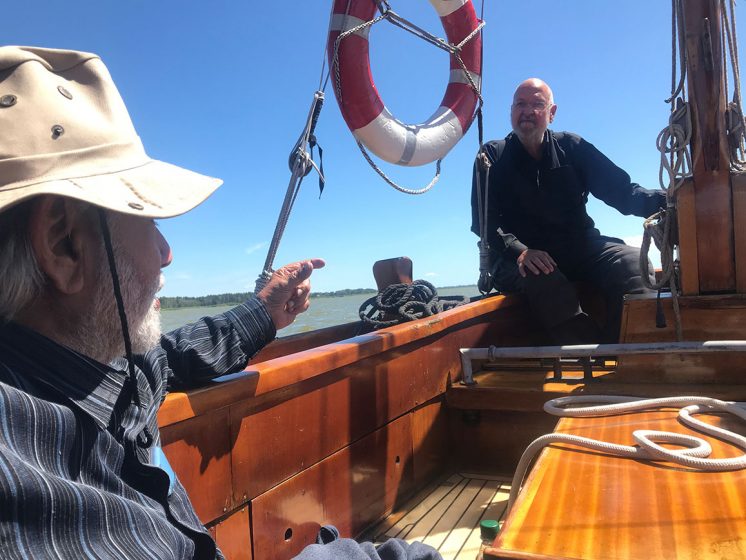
<point x="540" y="235"/>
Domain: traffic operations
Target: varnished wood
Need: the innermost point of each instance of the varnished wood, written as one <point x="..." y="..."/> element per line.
<point x="308" y="340"/>
<point x="710" y="160"/>
<point x="233" y="535"/>
<point x="430" y="444"/>
<point x="235" y="440"/>
<point x="199" y="451"/>
<point x="516" y="390"/>
<point x="493" y="441"/>
<point x="738" y="184"/>
<point x="446" y="514"/>
<point x="687" y="228"/>
<point x="702" y="318"/>
<point x="350" y="489"/>
<point x="392" y="271"/>
<point x="315" y="423"/>
<point x="590" y="506"/>
<point x="280" y="378"/>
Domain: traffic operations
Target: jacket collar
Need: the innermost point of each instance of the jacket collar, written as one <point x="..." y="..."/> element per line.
<point x="90" y="385"/>
<point x="550" y="150"/>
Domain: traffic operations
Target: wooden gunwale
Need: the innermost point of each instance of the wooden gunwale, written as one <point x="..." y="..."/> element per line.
<point x="283" y="373"/>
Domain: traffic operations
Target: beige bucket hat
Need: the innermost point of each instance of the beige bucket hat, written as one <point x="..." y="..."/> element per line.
<point x="64" y="130"/>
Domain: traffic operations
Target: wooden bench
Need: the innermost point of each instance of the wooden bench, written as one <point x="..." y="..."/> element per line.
<point x="583" y="505"/>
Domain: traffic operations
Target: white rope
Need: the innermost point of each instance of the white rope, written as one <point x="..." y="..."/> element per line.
<point x="695" y="453"/>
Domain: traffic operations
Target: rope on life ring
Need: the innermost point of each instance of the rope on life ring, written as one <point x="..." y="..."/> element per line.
<point x="362" y="108"/>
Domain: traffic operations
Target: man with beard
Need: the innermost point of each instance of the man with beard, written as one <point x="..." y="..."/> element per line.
<point x="531" y="200"/>
<point x="82" y="473"/>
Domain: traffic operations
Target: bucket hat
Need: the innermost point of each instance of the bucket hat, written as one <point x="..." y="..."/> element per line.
<point x="65" y="130"/>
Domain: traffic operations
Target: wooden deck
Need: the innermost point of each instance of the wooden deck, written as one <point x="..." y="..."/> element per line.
<point x="446" y="514"/>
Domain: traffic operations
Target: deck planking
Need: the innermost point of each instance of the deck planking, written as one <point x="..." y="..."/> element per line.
<point x="446" y="514"/>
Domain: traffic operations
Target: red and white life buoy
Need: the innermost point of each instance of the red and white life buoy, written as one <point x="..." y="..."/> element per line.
<point x="364" y="111"/>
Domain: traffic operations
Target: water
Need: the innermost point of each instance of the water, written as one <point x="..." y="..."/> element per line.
<point x="324" y="311"/>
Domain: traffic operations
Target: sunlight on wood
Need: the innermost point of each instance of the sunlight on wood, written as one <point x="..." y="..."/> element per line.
<point x="446" y="515"/>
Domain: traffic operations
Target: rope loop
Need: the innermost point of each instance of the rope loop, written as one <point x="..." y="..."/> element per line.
<point x="695" y="452"/>
<point x="400" y="303"/>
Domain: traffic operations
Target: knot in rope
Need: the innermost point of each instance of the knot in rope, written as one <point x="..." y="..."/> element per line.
<point x="484" y="160"/>
<point x="400" y="303"/>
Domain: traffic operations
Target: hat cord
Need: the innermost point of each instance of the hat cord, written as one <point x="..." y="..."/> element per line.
<point x="144" y="438"/>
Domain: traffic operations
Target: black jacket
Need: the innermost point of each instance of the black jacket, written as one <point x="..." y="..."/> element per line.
<point x="541" y="204"/>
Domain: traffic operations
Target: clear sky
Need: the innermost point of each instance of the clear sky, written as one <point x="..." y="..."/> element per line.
<point x="223" y="87"/>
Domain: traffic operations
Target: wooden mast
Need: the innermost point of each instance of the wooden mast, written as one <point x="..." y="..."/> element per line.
<point x="707" y="237"/>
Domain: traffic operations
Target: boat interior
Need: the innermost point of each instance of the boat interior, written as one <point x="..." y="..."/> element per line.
<point x="329" y="428"/>
<point x="380" y="434"/>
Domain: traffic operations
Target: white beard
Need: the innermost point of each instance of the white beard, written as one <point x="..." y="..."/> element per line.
<point x="147" y="334"/>
<point x="99" y="333"/>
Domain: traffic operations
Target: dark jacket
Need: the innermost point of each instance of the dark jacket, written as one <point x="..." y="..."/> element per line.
<point x="541" y="204"/>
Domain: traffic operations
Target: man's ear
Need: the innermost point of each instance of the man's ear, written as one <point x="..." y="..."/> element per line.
<point x="552" y="112"/>
<point x="60" y="231"/>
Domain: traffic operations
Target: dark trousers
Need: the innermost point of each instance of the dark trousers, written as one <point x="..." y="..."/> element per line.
<point x="605" y="262"/>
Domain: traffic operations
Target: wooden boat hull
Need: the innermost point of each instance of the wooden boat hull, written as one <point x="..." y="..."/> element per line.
<point x="335" y="433"/>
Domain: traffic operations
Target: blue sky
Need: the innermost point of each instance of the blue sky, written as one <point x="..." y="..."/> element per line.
<point x="224" y="88"/>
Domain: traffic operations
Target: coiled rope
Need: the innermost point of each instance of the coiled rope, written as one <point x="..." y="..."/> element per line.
<point x="695" y="454"/>
<point x="673" y="143"/>
<point x="400" y="303"/>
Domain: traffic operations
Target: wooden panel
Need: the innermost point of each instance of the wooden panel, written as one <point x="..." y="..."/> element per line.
<point x="738" y="184"/>
<point x="430" y="441"/>
<point x="702" y="318"/>
<point x="687" y="226"/>
<point x="233" y="535"/>
<point x="313" y="425"/>
<point x="517" y="390"/>
<point x="351" y="489"/>
<point x="710" y="160"/>
<point x="493" y="441"/>
<point x="326" y="412"/>
<point x="586" y="505"/>
<point x="199" y="453"/>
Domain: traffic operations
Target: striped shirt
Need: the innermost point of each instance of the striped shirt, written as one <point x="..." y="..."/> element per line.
<point x="78" y="474"/>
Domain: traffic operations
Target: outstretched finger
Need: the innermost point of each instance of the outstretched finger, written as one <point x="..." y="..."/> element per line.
<point x="303" y="269"/>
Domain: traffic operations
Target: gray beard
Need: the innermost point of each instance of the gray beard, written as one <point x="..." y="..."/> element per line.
<point x="99" y="333"/>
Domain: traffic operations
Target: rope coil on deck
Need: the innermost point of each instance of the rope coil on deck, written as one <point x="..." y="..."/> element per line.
<point x="400" y="303"/>
<point x="695" y="452"/>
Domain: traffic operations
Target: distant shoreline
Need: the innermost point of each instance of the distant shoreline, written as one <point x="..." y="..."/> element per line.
<point x="236" y="298"/>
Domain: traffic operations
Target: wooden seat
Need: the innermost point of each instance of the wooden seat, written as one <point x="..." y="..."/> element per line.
<point x="586" y="505"/>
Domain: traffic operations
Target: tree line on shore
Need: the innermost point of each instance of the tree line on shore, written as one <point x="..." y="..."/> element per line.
<point x="239" y="297"/>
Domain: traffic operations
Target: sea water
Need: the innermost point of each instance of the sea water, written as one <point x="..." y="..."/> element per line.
<point x="324" y="311"/>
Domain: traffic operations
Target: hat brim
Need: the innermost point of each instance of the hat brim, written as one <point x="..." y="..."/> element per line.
<point x="153" y="190"/>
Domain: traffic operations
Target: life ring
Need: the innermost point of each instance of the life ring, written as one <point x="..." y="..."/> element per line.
<point x="362" y="108"/>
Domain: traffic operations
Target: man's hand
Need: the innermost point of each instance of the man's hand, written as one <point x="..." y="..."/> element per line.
<point x="286" y="294"/>
<point x="536" y="261"/>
